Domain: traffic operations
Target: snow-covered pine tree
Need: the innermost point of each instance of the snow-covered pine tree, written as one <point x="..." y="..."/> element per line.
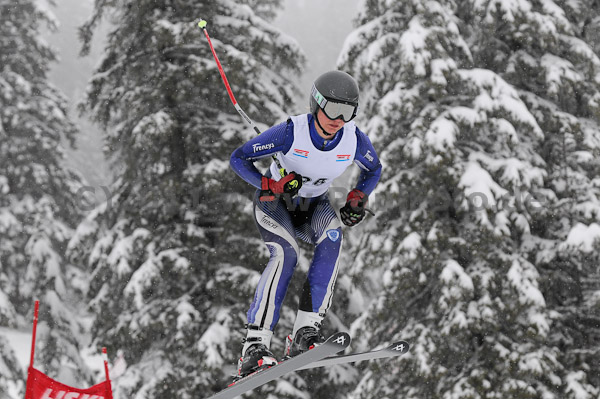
<point x="557" y="71"/>
<point x="38" y="200"/>
<point x="174" y="254"/>
<point x="485" y="116"/>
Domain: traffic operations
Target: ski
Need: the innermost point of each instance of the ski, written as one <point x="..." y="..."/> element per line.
<point x="396" y="349"/>
<point x="335" y="343"/>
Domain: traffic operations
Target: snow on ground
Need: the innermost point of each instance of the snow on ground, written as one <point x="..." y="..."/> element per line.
<point x="20" y="342"/>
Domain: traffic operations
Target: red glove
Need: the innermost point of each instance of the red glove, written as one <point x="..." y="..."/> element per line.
<point x="289" y="184"/>
<point x="354" y="210"/>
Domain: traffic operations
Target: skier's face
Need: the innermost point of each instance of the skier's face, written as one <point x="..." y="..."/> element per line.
<point x="329" y="125"/>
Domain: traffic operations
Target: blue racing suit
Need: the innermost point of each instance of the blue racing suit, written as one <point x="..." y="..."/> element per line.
<point x="311" y="219"/>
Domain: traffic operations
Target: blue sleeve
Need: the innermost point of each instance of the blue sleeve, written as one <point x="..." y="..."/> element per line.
<point x="278" y="138"/>
<point x="368" y="162"/>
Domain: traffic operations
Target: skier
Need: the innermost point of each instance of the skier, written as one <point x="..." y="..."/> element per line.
<point x="313" y="149"/>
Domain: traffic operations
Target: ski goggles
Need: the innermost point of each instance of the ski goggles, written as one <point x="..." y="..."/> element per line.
<point x="335" y="110"/>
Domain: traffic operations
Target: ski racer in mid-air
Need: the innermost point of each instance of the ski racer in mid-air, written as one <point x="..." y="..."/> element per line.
<point x="313" y="149"/>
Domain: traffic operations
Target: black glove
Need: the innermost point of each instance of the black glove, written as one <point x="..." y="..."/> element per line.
<point x="354" y="210"/>
<point x="289" y="184"/>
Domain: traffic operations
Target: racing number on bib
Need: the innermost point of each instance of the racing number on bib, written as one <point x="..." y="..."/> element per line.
<point x="317" y="182"/>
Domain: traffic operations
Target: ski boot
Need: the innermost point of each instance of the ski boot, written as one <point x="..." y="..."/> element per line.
<point x="257" y="357"/>
<point x="305" y="339"/>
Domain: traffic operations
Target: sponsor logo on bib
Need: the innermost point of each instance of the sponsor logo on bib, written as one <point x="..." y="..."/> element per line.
<point x="300" y="153"/>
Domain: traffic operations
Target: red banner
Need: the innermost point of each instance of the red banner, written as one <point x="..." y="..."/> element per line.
<point x="40" y="386"/>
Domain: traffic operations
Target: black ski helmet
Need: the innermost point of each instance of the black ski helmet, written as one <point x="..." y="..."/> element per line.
<point x="335" y="86"/>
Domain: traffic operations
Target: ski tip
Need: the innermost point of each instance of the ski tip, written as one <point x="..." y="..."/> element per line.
<point x="399" y="347"/>
<point x="340" y="339"/>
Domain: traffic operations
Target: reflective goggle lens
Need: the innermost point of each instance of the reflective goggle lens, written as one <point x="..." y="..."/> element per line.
<point x="335" y="110"/>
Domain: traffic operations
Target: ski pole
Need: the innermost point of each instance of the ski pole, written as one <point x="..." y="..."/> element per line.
<point x="202" y="25"/>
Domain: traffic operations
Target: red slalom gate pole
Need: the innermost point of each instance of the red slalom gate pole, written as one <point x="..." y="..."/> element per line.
<point x="105" y="358"/>
<point x="35" y="321"/>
